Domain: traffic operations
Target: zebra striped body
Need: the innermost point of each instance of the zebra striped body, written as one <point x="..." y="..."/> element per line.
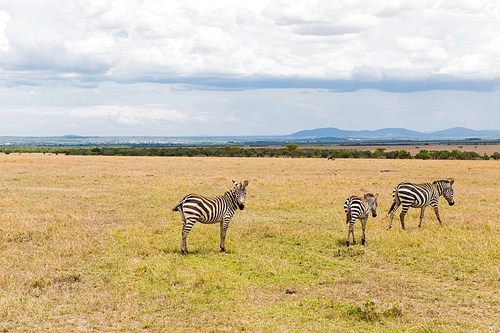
<point x="197" y="208"/>
<point x="420" y="196"/>
<point x="359" y="208"/>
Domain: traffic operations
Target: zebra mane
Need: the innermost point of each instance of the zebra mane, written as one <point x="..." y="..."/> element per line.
<point x="446" y="181"/>
<point x="367" y="195"/>
<point x="231" y="191"/>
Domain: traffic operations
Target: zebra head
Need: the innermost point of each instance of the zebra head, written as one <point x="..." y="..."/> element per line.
<point x="372" y="202"/>
<point x="445" y="189"/>
<point x="240" y="193"/>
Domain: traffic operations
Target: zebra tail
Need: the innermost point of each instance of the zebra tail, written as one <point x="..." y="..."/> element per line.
<point x="348" y="215"/>
<point x="176" y="208"/>
<point x="392" y="207"/>
<point x="396" y="199"/>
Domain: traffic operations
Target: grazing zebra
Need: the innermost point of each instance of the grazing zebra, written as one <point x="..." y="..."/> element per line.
<point x="420" y="196"/>
<point x="359" y="208"/>
<point x="196" y="208"/>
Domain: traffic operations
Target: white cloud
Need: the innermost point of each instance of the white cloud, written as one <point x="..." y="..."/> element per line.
<point x="179" y="64"/>
<point x="151" y="112"/>
<point x="4" y="19"/>
<point x="129" y="114"/>
<point x="94" y="45"/>
<point x="133" y="41"/>
<point x="474" y="65"/>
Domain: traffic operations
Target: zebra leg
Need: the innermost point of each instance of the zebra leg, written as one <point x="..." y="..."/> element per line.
<point x="402" y="216"/>
<point x="351" y="226"/>
<point x="392" y="212"/>
<point x="348" y="235"/>
<point x="437" y="214"/>
<point x="223" y="229"/>
<point x="350" y="231"/>
<point x="188" y="225"/>
<point x="363" y="225"/>
<point x="422" y="210"/>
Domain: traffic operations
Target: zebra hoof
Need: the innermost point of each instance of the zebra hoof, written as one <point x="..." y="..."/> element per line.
<point x="223" y="250"/>
<point x="184" y="253"/>
<point x="362" y="242"/>
<point x="347" y="244"/>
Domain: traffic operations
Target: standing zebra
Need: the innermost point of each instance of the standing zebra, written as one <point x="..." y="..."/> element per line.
<point x="359" y="208"/>
<point x="196" y="208"/>
<point x="420" y="196"/>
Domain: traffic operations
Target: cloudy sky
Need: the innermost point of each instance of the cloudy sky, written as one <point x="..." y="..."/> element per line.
<point x="260" y="67"/>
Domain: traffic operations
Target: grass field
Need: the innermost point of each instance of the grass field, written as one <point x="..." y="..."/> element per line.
<point x="481" y="149"/>
<point x="89" y="243"/>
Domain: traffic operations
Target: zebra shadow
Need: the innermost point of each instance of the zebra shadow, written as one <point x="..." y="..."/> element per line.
<point x="341" y="242"/>
<point x="198" y="252"/>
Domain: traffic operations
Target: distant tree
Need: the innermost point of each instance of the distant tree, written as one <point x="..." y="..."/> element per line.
<point x="423" y="155"/>
<point x="495" y="156"/>
<point x="402" y="154"/>
<point x="379" y="152"/>
<point x="434" y="154"/>
<point x="292" y="148"/>
<point x="457" y="154"/>
<point x="444" y="155"/>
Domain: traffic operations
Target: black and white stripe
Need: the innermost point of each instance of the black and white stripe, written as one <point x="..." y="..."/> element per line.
<point x="359" y="208"/>
<point x="197" y="208"/>
<point x="420" y="196"/>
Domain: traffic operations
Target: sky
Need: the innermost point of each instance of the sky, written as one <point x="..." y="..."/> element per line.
<point x="260" y="67"/>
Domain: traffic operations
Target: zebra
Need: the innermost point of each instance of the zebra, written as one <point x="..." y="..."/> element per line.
<point x="420" y="196"/>
<point x="359" y="208"/>
<point x="196" y="208"/>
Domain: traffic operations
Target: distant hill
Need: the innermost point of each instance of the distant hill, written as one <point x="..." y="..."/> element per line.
<point x="463" y="133"/>
<point x="456" y="133"/>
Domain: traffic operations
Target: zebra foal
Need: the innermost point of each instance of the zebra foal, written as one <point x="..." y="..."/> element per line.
<point x="420" y="196"/>
<point x="197" y="208"/>
<point x="359" y="208"/>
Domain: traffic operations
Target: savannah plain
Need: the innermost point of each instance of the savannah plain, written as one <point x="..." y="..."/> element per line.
<point x="481" y="149"/>
<point x="89" y="243"/>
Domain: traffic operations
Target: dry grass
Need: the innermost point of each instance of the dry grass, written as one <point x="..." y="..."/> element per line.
<point x="90" y="244"/>
<point x="481" y="149"/>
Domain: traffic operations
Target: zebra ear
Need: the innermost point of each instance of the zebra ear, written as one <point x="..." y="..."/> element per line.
<point x="452" y="181"/>
<point x="245" y="183"/>
<point x="376" y="196"/>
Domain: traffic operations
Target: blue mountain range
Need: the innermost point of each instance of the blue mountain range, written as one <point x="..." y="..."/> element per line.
<point x="456" y="133"/>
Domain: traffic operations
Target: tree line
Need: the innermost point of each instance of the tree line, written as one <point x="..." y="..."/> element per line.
<point x="291" y="150"/>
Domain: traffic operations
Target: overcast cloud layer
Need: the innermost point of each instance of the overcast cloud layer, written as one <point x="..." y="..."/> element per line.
<point x="173" y="68"/>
